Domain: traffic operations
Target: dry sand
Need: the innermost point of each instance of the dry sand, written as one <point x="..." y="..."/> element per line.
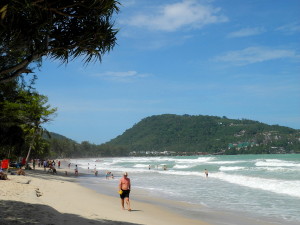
<point x="43" y="198"/>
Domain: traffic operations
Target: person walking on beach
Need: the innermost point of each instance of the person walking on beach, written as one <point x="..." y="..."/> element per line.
<point x="124" y="190"/>
<point x="206" y="173"/>
<point x="45" y="164"/>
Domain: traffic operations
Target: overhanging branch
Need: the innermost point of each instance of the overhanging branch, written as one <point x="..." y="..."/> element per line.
<point x="11" y="73"/>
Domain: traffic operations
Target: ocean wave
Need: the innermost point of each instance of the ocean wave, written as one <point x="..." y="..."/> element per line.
<point x="196" y="160"/>
<point x="181" y="173"/>
<point x="276" y="169"/>
<point x="183" y="166"/>
<point x="287" y="187"/>
<point x="141" y="166"/>
<point x="277" y="163"/>
<point x="161" y="159"/>
<point x="142" y="159"/>
<point x="227" y="162"/>
<point x="231" y="168"/>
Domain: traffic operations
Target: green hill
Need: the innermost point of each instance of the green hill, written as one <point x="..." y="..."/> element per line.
<point x="174" y="134"/>
<point x="210" y="134"/>
<point x="53" y="135"/>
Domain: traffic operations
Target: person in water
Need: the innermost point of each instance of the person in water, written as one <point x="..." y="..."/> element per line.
<point x="76" y="170"/>
<point x="206" y="172"/>
<point x="124" y="190"/>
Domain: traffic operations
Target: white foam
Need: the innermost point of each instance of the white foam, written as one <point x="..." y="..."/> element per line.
<point x="181" y="173"/>
<point x="282" y="169"/>
<point x="226" y="162"/>
<point x="197" y="160"/>
<point x="287" y="187"/>
<point x="141" y="166"/>
<point x="276" y="163"/>
<point x="182" y="166"/>
<point x="231" y="168"/>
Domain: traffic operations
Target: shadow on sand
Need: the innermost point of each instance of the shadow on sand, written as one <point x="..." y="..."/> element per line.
<point x="20" y="213"/>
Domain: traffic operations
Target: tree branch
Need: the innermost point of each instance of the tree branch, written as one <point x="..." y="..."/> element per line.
<point x="14" y="71"/>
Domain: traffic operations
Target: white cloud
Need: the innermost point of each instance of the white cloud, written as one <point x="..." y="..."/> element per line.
<point x="128" y="3"/>
<point x="256" y="54"/>
<point x="188" y="13"/>
<point x="246" y="32"/>
<point x="290" y="28"/>
<point x="120" y="76"/>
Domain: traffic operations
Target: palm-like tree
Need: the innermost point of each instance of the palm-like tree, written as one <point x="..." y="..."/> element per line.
<point x="62" y="30"/>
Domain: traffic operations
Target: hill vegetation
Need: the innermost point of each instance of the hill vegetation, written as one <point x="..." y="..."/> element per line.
<point x="174" y="134"/>
<point x="207" y="134"/>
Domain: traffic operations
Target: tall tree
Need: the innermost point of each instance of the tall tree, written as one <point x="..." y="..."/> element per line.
<point x="62" y="30"/>
<point x="11" y="132"/>
<point x="30" y="112"/>
<point x="36" y="112"/>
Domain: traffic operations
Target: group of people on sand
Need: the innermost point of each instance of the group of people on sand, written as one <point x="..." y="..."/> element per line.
<point x="4" y="171"/>
<point x="49" y="166"/>
<point x="3" y="175"/>
<point x="44" y="163"/>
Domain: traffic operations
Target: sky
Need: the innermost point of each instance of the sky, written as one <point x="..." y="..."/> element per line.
<point x="233" y="58"/>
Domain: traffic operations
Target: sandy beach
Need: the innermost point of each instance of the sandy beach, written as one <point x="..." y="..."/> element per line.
<point x="44" y="198"/>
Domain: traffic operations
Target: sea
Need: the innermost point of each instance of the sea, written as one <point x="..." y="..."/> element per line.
<point x="255" y="186"/>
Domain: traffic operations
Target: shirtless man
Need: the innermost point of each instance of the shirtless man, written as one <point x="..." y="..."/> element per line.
<point x="125" y="186"/>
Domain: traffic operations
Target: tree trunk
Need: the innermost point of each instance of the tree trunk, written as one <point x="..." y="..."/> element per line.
<point x="30" y="147"/>
<point x="29" y="151"/>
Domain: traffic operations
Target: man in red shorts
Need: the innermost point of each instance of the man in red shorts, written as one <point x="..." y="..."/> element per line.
<point x="124" y="187"/>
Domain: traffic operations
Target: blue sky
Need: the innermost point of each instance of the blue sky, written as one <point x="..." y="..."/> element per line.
<point x="233" y="58"/>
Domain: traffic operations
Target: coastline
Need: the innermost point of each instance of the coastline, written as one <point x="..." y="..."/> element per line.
<point x="63" y="200"/>
<point x="73" y="200"/>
